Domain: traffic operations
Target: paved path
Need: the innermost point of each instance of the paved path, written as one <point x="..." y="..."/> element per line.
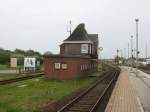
<point x="8" y="71"/>
<point x="141" y="83"/>
<point x="123" y="98"/>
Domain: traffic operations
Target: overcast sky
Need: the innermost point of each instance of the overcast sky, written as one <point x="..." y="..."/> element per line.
<point x="42" y="24"/>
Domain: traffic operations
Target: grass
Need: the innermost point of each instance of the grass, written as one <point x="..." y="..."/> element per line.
<point x="7" y="76"/>
<point x="5" y="67"/>
<point x="37" y="93"/>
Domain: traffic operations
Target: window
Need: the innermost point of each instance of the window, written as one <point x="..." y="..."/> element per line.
<point x="64" y="66"/>
<point x="57" y="65"/>
<point x="84" y="48"/>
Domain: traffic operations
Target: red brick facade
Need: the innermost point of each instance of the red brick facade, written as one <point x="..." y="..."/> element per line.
<point x="75" y="49"/>
<point x="78" y="56"/>
<point x="76" y="67"/>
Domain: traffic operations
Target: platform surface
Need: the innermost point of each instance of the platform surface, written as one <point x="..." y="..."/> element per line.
<point x="124" y="97"/>
<point x="141" y="83"/>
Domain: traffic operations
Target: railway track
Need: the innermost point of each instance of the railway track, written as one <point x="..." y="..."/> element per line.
<point x="12" y="80"/>
<point x="145" y="69"/>
<point x="90" y="100"/>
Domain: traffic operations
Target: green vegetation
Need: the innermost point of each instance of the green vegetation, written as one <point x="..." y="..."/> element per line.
<point x="5" y="55"/>
<point x="4" y="67"/>
<point x="7" y="76"/>
<point x="29" y="95"/>
<point x="103" y="67"/>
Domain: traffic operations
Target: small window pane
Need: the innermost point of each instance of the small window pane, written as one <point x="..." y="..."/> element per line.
<point x="64" y="66"/>
<point x="57" y="65"/>
<point x="84" y="48"/>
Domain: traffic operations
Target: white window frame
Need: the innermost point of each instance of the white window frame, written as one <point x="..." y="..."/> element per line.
<point x="84" y="48"/>
<point x="57" y="66"/>
<point x="64" y="66"/>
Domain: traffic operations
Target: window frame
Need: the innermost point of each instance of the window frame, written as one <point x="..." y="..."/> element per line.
<point x="62" y="66"/>
<point x="84" y="48"/>
<point x="57" y="67"/>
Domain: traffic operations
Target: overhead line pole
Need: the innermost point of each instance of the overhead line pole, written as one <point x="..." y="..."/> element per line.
<point x="70" y="27"/>
<point x="128" y="50"/>
<point x="132" y="52"/>
<point x="137" y="51"/>
<point x="146" y="54"/>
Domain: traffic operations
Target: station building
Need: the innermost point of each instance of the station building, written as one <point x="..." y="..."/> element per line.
<point x="78" y="56"/>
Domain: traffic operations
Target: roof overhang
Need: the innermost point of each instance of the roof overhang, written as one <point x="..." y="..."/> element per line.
<point x="78" y="42"/>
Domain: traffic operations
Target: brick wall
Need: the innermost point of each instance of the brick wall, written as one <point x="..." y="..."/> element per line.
<point x="76" y="68"/>
<point x="75" y="49"/>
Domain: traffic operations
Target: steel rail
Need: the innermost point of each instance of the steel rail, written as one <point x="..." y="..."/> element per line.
<point x="81" y="95"/>
<point x="104" y="93"/>
<point x="12" y="80"/>
<point x="77" y="99"/>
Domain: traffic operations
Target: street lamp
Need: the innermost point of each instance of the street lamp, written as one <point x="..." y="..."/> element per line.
<point x="137" y="51"/>
<point x="131" y="46"/>
<point x="132" y="52"/>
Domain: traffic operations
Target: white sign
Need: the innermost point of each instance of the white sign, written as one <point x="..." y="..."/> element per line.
<point x="29" y="62"/>
<point x="120" y="62"/>
<point x="13" y="62"/>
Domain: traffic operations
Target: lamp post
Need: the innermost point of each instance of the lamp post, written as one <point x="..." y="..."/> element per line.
<point x="128" y="51"/>
<point x="128" y="55"/>
<point x="100" y="50"/>
<point x="131" y="46"/>
<point x="131" y="52"/>
<point x="146" y="54"/>
<point x="137" y="51"/>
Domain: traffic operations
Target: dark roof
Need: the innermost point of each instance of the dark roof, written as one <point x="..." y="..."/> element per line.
<point x="79" y="34"/>
<point x="94" y="38"/>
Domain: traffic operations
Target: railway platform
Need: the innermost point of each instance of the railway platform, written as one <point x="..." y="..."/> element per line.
<point x="124" y="97"/>
<point x="141" y="82"/>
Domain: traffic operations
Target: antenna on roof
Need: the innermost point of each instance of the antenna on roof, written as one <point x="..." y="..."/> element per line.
<point x="69" y="29"/>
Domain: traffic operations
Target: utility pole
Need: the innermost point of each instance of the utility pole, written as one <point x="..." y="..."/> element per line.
<point x="137" y="50"/>
<point x="101" y="60"/>
<point x="131" y="47"/>
<point x="128" y="51"/>
<point x="125" y="54"/>
<point x="146" y="51"/>
<point x="132" y="59"/>
<point x="128" y="56"/>
<point x="70" y="26"/>
<point x="117" y="57"/>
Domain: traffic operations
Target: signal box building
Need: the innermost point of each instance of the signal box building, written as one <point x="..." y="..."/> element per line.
<point x="78" y="56"/>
